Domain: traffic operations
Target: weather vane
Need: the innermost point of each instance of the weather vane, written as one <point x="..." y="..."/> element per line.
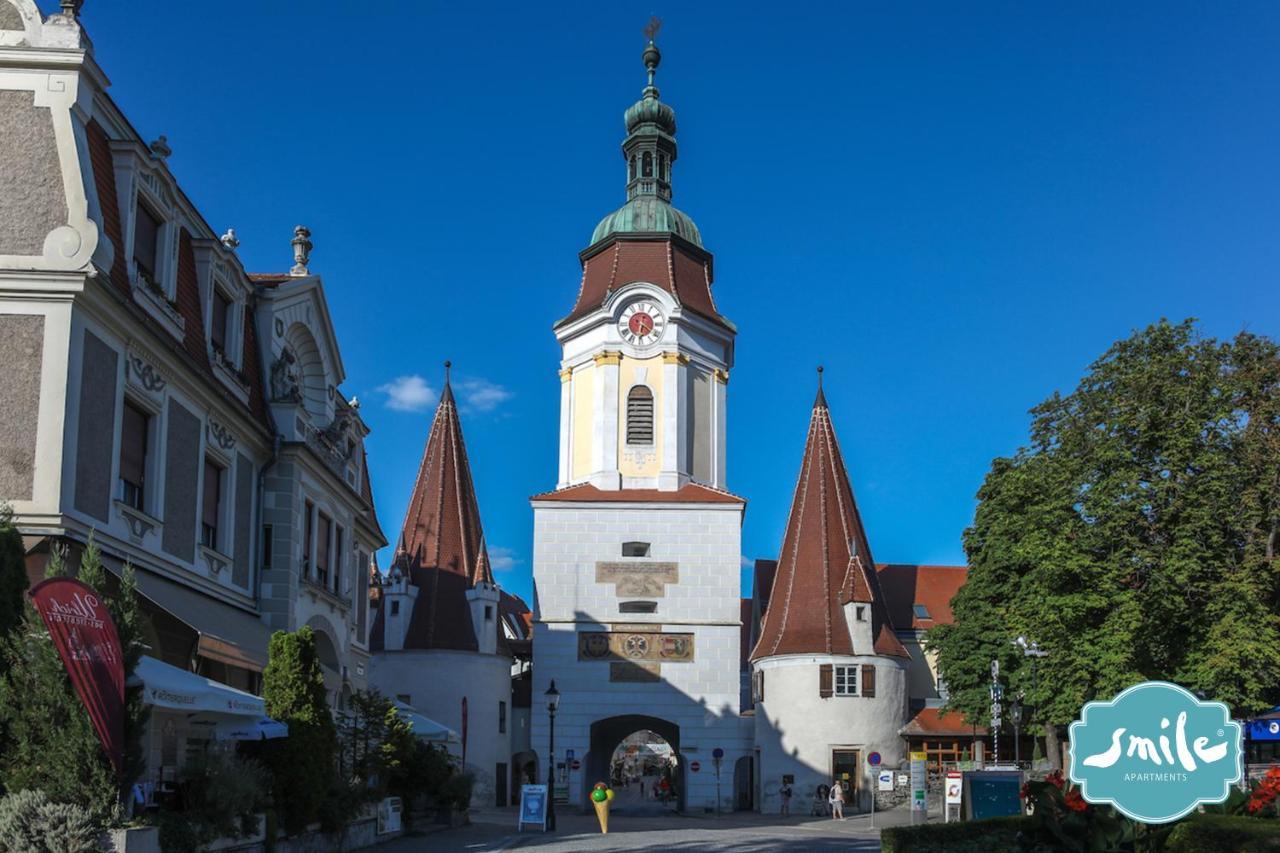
<point x="651" y="28"/>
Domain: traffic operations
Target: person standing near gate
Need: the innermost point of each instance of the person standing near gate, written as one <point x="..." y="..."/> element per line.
<point x="785" y="792"/>
<point x="836" y="799"/>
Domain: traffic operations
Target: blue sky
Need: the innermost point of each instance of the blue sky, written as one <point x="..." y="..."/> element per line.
<point x="953" y="207"/>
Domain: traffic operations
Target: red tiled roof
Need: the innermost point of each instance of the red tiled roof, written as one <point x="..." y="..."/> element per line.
<point x="688" y="493"/>
<point x="905" y="586"/>
<point x="442" y="543"/>
<point x="191" y="346"/>
<point x="825" y="560"/>
<point x="673" y="264"/>
<point x="932" y="721"/>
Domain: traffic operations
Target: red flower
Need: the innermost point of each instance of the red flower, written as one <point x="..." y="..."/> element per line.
<point x="1025" y="793"/>
<point x="1074" y="801"/>
<point x="1055" y="779"/>
<point x="1266" y="792"/>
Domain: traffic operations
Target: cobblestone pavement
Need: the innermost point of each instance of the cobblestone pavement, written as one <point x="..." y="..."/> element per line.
<point x="738" y="833"/>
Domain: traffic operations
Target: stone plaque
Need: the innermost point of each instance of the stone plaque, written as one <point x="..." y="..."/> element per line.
<point x="638" y="580"/>
<point x="635" y="646"/>
<point x="635" y="672"/>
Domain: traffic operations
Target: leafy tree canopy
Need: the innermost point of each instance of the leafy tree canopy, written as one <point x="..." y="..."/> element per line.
<point x="1135" y="537"/>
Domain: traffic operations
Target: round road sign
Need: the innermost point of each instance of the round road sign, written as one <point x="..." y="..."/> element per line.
<point x="575" y="764"/>
<point x="695" y="766"/>
<point x="874" y="759"/>
<point x="717" y="753"/>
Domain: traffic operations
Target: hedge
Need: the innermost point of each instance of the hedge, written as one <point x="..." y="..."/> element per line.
<point x="996" y="835"/>
<point x="1222" y="833"/>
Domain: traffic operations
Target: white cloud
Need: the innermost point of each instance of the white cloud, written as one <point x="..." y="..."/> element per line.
<point x="408" y="394"/>
<point x="481" y="395"/>
<point x="503" y="559"/>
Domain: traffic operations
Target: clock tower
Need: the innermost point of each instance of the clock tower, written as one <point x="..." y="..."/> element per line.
<point x="637" y="551"/>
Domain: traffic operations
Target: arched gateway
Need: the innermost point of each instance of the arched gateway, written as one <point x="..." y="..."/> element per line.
<point x="608" y="734"/>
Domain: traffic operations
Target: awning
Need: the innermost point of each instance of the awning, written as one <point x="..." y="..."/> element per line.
<point x="425" y="727"/>
<point x="227" y="634"/>
<point x="168" y="687"/>
<point x="243" y="728"/>
<point x="1265" y="726"/>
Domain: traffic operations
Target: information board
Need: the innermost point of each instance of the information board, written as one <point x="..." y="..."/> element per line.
<point x="533" y="806"/>
<point x="884" y="780"/>
<point x="994" y="794"/>
<point x="919" y="781"/>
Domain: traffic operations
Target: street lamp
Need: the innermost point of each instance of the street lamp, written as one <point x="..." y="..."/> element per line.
<point x="1015" y="717"/>
<point x="1031" y="649"/>
<point x="553" y="702"/>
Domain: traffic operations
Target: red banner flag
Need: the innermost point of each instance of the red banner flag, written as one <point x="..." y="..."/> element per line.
<point x="89" y="646"/>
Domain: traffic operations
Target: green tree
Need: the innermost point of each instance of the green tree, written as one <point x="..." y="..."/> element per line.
<point x="51" y="745"/>
<point x="1135" y="537"/>
<point x="303" y="764"/>
<point x="13" y="573"/>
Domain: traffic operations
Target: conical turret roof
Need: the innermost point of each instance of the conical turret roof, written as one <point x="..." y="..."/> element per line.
<point x="825" y="560"/>
<point x="441" y="545"/>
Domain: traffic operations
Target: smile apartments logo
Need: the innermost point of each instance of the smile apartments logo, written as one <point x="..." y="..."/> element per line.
<point x="1155" y="752"/>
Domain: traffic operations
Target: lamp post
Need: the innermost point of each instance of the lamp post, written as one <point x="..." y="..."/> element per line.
<point x="1031" y="649"/>
<point x="1015" y="717"/>
<point x="553" y="702"/>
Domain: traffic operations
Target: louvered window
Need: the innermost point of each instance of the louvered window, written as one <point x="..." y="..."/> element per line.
<point x="640" y="416"/>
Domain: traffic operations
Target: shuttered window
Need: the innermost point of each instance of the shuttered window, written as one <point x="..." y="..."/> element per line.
<point x="640" y="416"/>
<point x="133" y="455"/>
<point x="308" y="525"/>
<point x="846" y="681"/>
<point x="146" y="237"/>
<point x="338" y="552"/>
<point x="211" y="505"/>
<point x="868" y="680"/>
<point x="824" y="680"/>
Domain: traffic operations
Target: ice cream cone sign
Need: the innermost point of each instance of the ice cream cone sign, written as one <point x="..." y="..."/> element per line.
<point x="601" y="797"/>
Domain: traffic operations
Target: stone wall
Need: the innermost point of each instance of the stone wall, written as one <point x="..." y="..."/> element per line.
<point x="21" y="353"/>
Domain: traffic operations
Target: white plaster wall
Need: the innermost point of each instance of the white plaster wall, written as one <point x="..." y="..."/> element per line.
<point x="701" y="697"/>
<point x="796" y="730"/>
<point x="704" y="539"/>
<point x="435" y="682"/>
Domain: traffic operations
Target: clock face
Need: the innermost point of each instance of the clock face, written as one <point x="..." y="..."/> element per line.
<point x="641" y="323"/>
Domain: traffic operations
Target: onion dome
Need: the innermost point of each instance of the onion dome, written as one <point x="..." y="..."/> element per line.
<point x="649" y="151"/>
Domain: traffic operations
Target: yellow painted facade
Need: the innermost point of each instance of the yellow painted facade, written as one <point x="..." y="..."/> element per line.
<point x="635" y="461"/>
<point x="583" y="392"/>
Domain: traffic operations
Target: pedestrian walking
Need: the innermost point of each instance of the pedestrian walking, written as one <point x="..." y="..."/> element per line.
<point x="836" y="800"/>
<point x="785" y="792"/>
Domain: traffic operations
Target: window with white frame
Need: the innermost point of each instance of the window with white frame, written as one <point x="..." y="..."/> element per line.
<point x="146" y="245"/>
<point x="135" y="429"/>
<point x="219" y="315"/>
<point x="211" y="505"/>
<point x="846" y="681"/>
<point x="323" y="528"/>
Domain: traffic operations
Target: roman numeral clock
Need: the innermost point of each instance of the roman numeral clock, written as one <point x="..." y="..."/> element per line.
<point x="641" y="323"/>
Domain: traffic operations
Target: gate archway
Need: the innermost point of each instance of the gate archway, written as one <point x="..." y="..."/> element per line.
<point x="606" y="734"/>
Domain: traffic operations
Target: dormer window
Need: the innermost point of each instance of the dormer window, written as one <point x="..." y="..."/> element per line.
<point x="860" y="612"/>
<point x="219" y="315"/>
<point x="146" y="246"/>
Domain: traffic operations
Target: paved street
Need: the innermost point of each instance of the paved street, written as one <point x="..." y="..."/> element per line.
<point x="742" y="832"/>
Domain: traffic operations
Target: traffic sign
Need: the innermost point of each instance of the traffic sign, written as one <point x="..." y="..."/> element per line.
<point x="874" y="759"/>
<point x="695" y="766"/>
<point x="717" y="753"/>
<point x="884" y="780"/>
<point x="575" y="764"/>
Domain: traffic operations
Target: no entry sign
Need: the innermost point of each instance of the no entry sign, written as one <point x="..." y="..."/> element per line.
<point x="695" y="766"/>
<point x="575" y="764"/>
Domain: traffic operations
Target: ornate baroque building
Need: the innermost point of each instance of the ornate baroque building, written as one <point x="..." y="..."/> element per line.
<point x="155" y="393"/>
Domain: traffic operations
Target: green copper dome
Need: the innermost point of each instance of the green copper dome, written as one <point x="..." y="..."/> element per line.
<point x="650" y="152"/>
<point x="647" y="213"/>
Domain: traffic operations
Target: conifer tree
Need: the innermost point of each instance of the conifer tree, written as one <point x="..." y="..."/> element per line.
<point x="51" y="745"/>
<point x="303" y="764"/>
<point x="13" y="574"/>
